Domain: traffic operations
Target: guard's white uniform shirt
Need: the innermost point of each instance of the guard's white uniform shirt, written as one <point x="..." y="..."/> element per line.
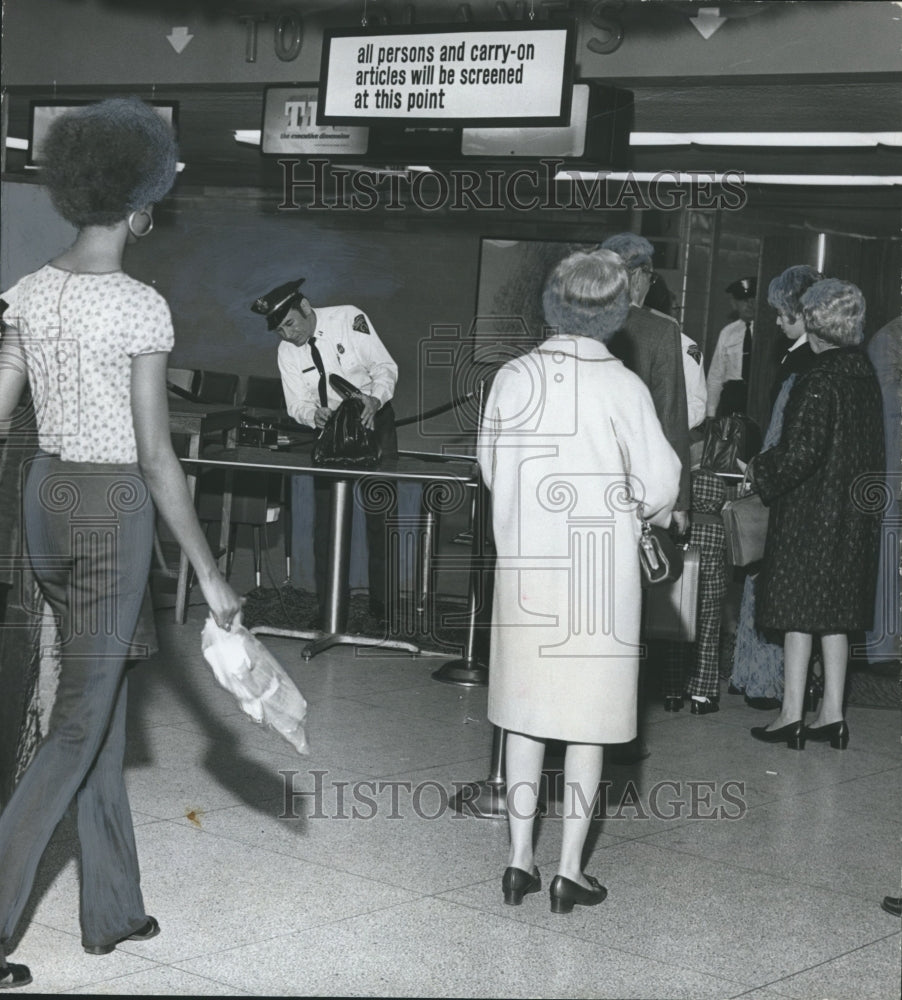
<point x="726" y="362"/>
<point x="696" y="387"/>
<point x="349" y="347"/>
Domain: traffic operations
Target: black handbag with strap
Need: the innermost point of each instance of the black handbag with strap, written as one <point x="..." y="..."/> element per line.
<point x="344" y="442"/>
<point x="660" y="559"/>
<point x="727" y="439"/>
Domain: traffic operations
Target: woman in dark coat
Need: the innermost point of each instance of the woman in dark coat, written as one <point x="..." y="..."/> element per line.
<point x="757" y="660"/>
<point x="820" y="560"/>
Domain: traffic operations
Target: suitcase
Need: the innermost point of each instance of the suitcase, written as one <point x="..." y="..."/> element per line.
<point x="670" y="610"/>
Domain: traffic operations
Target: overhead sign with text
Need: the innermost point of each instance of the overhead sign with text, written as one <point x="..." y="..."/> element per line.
<point x="448" y="75"/>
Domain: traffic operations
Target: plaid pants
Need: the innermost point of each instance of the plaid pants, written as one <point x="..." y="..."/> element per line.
<point x="700" y="659"/>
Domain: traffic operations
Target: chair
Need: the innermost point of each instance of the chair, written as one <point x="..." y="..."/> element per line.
<point x="264" y="393"/>
<point x="215" y="387"/>
<point x="180" y="378"/>
<point x="257" y="499"/>
<point x="198" y="387"/>
<point x="180" y="383"/>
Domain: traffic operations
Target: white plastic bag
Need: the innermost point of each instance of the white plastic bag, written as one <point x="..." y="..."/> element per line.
<point x="247" y="669"/>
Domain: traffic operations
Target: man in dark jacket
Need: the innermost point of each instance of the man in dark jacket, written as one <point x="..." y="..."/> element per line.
<point x="649" y="344"/>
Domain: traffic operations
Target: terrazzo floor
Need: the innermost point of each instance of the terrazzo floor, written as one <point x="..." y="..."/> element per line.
<point x="734" y="868"/>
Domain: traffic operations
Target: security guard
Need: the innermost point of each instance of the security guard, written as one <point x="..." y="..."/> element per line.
<point x="728" y="376"/>
<point x="315" y="344"/>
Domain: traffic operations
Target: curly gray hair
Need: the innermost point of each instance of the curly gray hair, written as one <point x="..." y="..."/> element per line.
<point x="587" y="295"/>
<point x="833" y="311"/>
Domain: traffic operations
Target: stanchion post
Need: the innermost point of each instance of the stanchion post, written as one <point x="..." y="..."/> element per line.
<point x="468" y="671"/>
<point x="486" y="799"/>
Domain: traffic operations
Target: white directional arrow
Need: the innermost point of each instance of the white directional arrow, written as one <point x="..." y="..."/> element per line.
<point x="707" y="21"/>
<point x="179" y="38"/>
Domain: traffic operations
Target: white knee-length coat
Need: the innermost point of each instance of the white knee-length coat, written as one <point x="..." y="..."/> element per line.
<point x="569" y="436"/>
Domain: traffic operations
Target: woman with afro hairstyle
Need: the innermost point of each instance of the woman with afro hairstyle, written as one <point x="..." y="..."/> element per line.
<point x="92" y="343"/>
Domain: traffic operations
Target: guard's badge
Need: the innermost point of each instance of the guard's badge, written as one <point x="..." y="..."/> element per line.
<point x="694" y="353"/>
<point x="360" y="324"/>
<point x="340" y="348"/>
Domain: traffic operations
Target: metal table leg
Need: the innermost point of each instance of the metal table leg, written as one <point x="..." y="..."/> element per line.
<point x="337" y="592"/>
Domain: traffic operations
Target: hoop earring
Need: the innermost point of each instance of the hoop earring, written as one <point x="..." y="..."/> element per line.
<point x="130" y="222"/>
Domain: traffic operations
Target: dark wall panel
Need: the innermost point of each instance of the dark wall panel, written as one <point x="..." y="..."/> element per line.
<point x="213" y="257"/>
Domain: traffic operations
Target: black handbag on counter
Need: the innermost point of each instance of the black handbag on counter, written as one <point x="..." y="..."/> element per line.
<point x="344" y="442"/>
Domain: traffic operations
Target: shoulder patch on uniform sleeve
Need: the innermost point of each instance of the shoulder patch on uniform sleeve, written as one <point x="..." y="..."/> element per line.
<point x="360" y="324"/>
<point x="694" y="353"/>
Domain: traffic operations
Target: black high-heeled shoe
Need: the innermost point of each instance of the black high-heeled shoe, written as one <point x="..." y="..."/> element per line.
<point x="793" y="734"/>
<point x="836" y="732"/>
<point x="565" y="894"/>
<point x="516" y="883"/>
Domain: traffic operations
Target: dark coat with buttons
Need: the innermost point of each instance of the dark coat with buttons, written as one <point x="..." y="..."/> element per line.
<point x="822" y="485"/>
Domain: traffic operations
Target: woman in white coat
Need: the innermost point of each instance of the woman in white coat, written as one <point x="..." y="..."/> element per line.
<point x="569" y="446"/>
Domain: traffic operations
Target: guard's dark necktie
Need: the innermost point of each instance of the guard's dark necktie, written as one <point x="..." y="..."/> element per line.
<point x="746" y="352"/>
<point x="318" y="361"/>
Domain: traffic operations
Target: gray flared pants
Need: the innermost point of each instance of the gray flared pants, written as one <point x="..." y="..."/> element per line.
<point x="89" y="529"/>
